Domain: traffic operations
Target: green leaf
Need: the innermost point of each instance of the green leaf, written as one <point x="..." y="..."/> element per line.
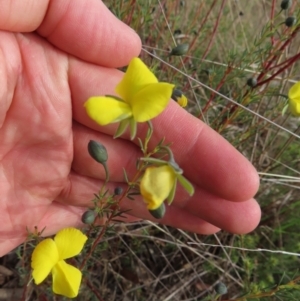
<point x="141" y="144"/>
<point x="121" y="128"/>
<point x="125" y="175"/>
<point x="284" y="109"/>
<point x="282" y="95"/>
<point x="133" y="128"/>
<point x="172" y="193"/>
<point x="154" y="161"/>
<point x="186" y="184"/>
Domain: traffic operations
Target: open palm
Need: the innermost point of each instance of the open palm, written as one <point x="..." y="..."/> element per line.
<point x="46" y="175"/>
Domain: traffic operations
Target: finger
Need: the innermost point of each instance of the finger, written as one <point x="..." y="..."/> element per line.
<point x="80" y="191"/>
<point x="23" y="16"/>
<point x="88" y="30"/>
<point x="208" y="159"/>
<point x="6" y="245"/>
<point x="232" y="216"/>
<point x="58" y="216"/>
<point x="55" y="218"/>
<point x="200" y="215"/>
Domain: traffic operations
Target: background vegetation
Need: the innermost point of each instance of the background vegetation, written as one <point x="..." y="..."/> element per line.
<point x="229" y="42"/>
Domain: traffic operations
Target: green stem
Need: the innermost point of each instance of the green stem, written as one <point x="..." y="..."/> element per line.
<point x="170" y="153"/>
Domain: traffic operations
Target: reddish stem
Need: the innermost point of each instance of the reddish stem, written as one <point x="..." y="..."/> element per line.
<point x="221" y="83"/>
<point x="214" y="31"/>
<point x="263" y="73"/>
<point x="295" y="58"/>
<point x="94" y="291"/>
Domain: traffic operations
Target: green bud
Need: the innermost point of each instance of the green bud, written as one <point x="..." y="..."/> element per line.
<point x="180" y="49"/>
<point x="97" y="151"/>
<point x="286" y="4"/>
<point x="176" y="94"/>
<point x="177" y="32"/>
<point x="88" y="217"/>
<point x="290" y="21"/>
<point x="118" y="190"/>
<point x="221" y="288"/>
<point x="159" y="212"/>
<point x="252" y="82"/>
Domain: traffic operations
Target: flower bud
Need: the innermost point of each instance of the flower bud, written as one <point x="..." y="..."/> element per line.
<point x="88" y="217"/>
<point x="286" y="4"/>
<point x="290" y="21"/>
<point x="118" y="190"/>
<point x="177" y="32"/>
<point x="179" y="97"/>
<point x="97" y="151"/>
<point x="180" y="49"/>
<point x="221" y="288"/>
<point x="252" y="82"/>
<point x="159" y="212"/>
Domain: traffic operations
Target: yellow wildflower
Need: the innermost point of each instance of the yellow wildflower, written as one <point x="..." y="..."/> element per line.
<point x="159" y="183"/>
<point x="141" y="98"/>
<point x="48" y="257"/>
<point x="156" y="185"/>
<point x="294" y="99"/>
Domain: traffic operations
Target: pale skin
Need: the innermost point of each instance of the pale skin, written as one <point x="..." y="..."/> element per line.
<point x="53" y="56"/>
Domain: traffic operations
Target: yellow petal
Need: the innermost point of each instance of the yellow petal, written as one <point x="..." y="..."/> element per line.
<point x="294" y="99"/>
<point x="294" y="91"/>
<point x="66" y="279"/>
<point x="44" y="258"/>
<point x="156" y="185"/>
<point x="105" y="109"/>
<point x="294" y="106"/>
<point x="69" y="242"/>
<point x="136" y="77"/>
<point x="151" y="101"/>
<point x="182" y="101"/>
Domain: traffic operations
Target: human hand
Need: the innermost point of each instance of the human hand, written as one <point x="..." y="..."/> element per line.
<point x="47" y="177"/>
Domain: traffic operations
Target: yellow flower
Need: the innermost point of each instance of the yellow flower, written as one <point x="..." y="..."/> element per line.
<point x="48" y="256"/>
<point x="156" y="185"/>
<point x="179" y="97"/>
<point x="141" y="98"/>
<point x="159" y="183"/>
<point x="294" y="99"/>
<point x="182" y="101"/>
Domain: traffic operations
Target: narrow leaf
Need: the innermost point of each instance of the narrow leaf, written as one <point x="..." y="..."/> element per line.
<point x="186" y="184"/>
<point x="121" y="128"/>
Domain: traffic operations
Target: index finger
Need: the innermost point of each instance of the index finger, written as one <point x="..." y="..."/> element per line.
<point x="85" y="29"/>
